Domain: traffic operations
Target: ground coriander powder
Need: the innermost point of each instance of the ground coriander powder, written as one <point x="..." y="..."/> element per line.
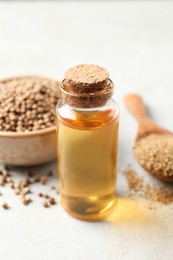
<point x="155" y="154"/>
<point x="139" y="188"/>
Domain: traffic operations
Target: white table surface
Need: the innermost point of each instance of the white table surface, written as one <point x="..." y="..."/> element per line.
<point x="134" y="41"/>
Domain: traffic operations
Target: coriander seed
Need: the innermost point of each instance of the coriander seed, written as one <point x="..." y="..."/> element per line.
<point x="5" y="205"/>
<point x="24" y="100"/>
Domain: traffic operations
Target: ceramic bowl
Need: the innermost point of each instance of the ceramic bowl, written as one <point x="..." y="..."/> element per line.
<point x="28" y="148"/>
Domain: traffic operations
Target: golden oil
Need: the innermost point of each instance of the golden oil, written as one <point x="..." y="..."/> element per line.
<point x="87" y="157"/>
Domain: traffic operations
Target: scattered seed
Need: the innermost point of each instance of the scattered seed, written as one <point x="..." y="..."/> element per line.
<point x="22" y="187"/>
<point x="26" y="182"/>
<point x="11" y="185"/>
<point x="43" y="180"/>
<point x="17" y="191"/>
<point x="25" y="191"/>
<point x="3" y="180"/>
<point x="10" y="180"/>
<point x="36" y="178"/>
<point x="53" y="187"/>
<point x="22" y="184"/>
<point x="5" y="173"/>
<point x="40" y="194"/>
<point x="45" y="204"/>
<point x="50" y="173"/>
<point x="25" y="200"/>
<point x="46" y="196"/>
<point x="30" y="174"/>
<point x="5" y="205"/>
<point x="52" y="201"/>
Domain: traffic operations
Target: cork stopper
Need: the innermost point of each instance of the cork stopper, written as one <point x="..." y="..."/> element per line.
<point x="87" y="85"/>
<point x="86" y="74"/>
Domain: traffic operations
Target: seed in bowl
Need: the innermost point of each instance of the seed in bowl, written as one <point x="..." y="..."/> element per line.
<point x="28" y="103"/>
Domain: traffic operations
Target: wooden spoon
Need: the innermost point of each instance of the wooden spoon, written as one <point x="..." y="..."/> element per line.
<point x="146" y="126"/>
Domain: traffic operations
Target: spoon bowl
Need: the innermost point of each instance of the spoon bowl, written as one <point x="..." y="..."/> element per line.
<point x="146" y="127"/>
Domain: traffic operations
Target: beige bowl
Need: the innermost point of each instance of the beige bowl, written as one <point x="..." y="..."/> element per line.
<point x="28" y="148"/>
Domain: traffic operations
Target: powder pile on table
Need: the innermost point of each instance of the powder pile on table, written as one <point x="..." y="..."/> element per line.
<point x="138" y="187"/>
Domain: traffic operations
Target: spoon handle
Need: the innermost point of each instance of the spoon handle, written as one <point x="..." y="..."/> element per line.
<point x="136" y="106"/>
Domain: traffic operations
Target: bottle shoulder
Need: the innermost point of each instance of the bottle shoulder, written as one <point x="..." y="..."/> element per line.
<point x="91" y="118"/>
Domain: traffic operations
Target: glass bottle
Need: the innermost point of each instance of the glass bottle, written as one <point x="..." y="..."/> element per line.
<point x="87" y="131"/>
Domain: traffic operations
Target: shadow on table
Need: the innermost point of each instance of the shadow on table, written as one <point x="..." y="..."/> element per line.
<point x="128" y="211"/>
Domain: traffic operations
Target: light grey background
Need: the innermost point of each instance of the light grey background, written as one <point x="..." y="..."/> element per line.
<point x="134" y="41"/>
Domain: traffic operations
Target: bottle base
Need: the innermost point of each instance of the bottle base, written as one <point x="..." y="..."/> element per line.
<point x="92" y="208"/>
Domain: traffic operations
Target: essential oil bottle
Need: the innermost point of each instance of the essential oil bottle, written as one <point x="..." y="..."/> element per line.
<point x="87" y="132"/>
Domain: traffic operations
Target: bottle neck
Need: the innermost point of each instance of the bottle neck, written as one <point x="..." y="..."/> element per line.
<point x="88" y="96"/>
<point x="87" y="109"/>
